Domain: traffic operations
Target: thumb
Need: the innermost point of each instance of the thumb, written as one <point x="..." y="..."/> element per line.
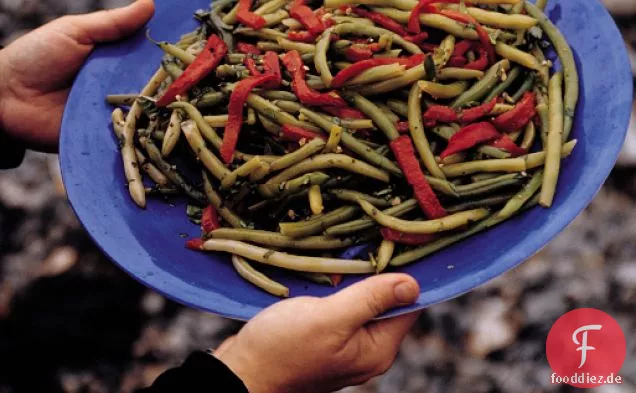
<point x="111" y="25"/>
<point x="359" y="303"/>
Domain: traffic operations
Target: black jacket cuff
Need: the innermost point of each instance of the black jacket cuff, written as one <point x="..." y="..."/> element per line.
<point x="201" y="372"/>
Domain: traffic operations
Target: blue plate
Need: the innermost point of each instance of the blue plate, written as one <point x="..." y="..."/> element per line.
<point x="149" y="244"/>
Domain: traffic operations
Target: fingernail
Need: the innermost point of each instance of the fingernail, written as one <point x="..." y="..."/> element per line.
<point x="405" y="293"/>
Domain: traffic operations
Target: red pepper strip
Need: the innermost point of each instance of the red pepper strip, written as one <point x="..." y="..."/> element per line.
<point x="295" y="133"/>
<point x="412" y="61"/>
<point x="336" y="279"/>
<point x="308" y="96"/>
<point x="235" y="109"/>
<point x="422" y="6"/>
<point x="402" y="127"/>
<point x="417" y="38"/>
<point x="381" y="19"/>
<point x="408" y="239"/>
<point x="251" y="66"/>
<point x="344" y="112"/>
<point x="481" y="32"/>
<point x="354" y="69"/>
<point x="507" y="144"/>
<point x="306" y="16"/>
<point x="248" y="49"/>
<point x="404" y="153"/>
<point x="462" y="47"/>
<point x="473" y="114"/>
<point x="248" y="18"/>
<point x="195" y="244"/>
<point x="359" y="52"/>
<point x="210" y="219"/>
<point x="470" y="136"/>
<point x="481" y="63"/>
<point x="519" y="116"/>
<point x="428" y="47"/>
<point x="440" y="113"/>
<point x="456" y="62"/>
<point x="204" y="63"/>
<point x="320" y="14"/>
<point x="302" y="36"/>
<point x="271" y="65"/>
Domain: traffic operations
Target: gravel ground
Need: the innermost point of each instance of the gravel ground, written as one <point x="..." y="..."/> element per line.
<point x="78" y="324"/>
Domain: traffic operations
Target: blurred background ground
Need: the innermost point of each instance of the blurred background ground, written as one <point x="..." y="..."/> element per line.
<point x="70" y="321"/>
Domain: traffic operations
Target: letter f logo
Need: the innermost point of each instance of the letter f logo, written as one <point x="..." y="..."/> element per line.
<point x="583" y="344"/>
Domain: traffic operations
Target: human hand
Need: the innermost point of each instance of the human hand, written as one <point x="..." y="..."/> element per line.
<point x="37" y="70"/>
<point x="314" y="345"/>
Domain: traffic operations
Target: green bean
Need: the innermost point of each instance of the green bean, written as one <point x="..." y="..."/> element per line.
<point x="315" y="200"/>
<point x="536" y="160"/>
<point x="293" y="186"/>
<point x="121" y="99"/>
<point x="410" y="76"/>
<point x="437" y="90"/>
<point x="172" y="50"/>
<point x="401" y="4"/>
<point x="288" y="106"/>
<point x="356" y="124"/>
<point x="375" y="32"/>
<point x="194" y="114"/>
<point x="216" y="201"/>
<point x="517" y="56"/>
<point x="275" y="239"/>
<point x="443" y="53"/>
<point x="243" y="171"/>
<point x="288" y="261"/>
<point x="435" y="21"/>
<point x="444" y="224"/>
<point x="173" y="132"/>
<point x="353" y="196"/>
<point x="355" y="145"/>
<point x="207" y="158"/>
<point x="251" y="117"/>
<point x="517" y="201"/>
<point x="257" y="278"/>
<point x="264" y="33"/>
<point x="301" y="47"/>
<point x="541" y="4"/>
<point x="236" y="58"/>
<point x="509" y="165"/>
<point x="268" y="45"/>
<point x="374" y="113"/>
<point x="230" y="17"/>
<point x="162" y="191"/>
<point x="491" y="185"/>
<point x="554" y="141"/>
<point x="442" y="186"/>
<point x="498" y="19"/>
<point x="458" y="74"/>
<point x="278" y="95"/>
<point x="544" y="72"/>
<point x="306" y="151"/>
<point x="320" y="58"/>
<point x="172" y="68"/>
<point x="496" y="200"/>
<point x="171" y="173"/>
<point x="388" y="112"/>
<point x="570" y="73"/>
<point x="131" y="166"/>
<point x="366" y="222"/>
<point x="385" y="253"/>
<point x="389" y="53"/>
<point x="317" y="224"/>
<point x="269" y="126"/>
<point x="480" y="89"/>
<point x="446" y="132"/>
<point x="208" y="100"/>
<point x="275" y="17"/>
<point x="462" y="189"/>
<point x="543" y="111"/>
<point x="416" y="128"/>
<point x="503" y="86"/>
<point x="399" y="107"/>
<point x="318" y="278"/>
<point x="335" y="136"/>
<point x="270" y="6"/>
<point x="273" y="112"/>
<point x="377" y="74"/>
<point x="528" y="136"/>
<point x="349" y="19"/>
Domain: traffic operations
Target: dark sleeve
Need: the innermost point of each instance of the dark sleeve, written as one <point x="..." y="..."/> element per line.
<point x="200" y="373"/>
<point x="11" y="152"/>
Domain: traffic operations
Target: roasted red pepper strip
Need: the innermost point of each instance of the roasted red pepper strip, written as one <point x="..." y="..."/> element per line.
<point x="473" y="114"/>
<point x="358" y="52"/>
<point x="440" y="113"/>
<point x="404" y="153"/>
<point x="507" y="144"/>
<point x="470" y="136"/>
<point x="481" y="63"/>
<point x="210" y="220"/>
<point x="344" y="112"/>
<point x="205" y="63"/>
<point x="408" y="239"/>
<point x="481" y="32"/>
<point x="248" y="49"/>
<point x="271" y="65"/>
<point x="307" y="18"/>
<point x="308" y="96"/>
<point x="294" y="133"/>
<point x="412" y="61"/>
<point x="462" y="47"/>
<point x="336" y="279"/>
<point x="519" y="116"/>
<point x="381" y="20"/>
<point x="354" y="69"/>
<point x="235" y="116"/>
<point x="302" y="36"/>
<point x="417" y="38"/>
<point x="422" y="6"/>
<point x="195" y="244"/>
<point x="248" y="18"/>
<point x="456" y="62"/>
<point x="402" y="127"/>
<point x="250" y="64"/>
